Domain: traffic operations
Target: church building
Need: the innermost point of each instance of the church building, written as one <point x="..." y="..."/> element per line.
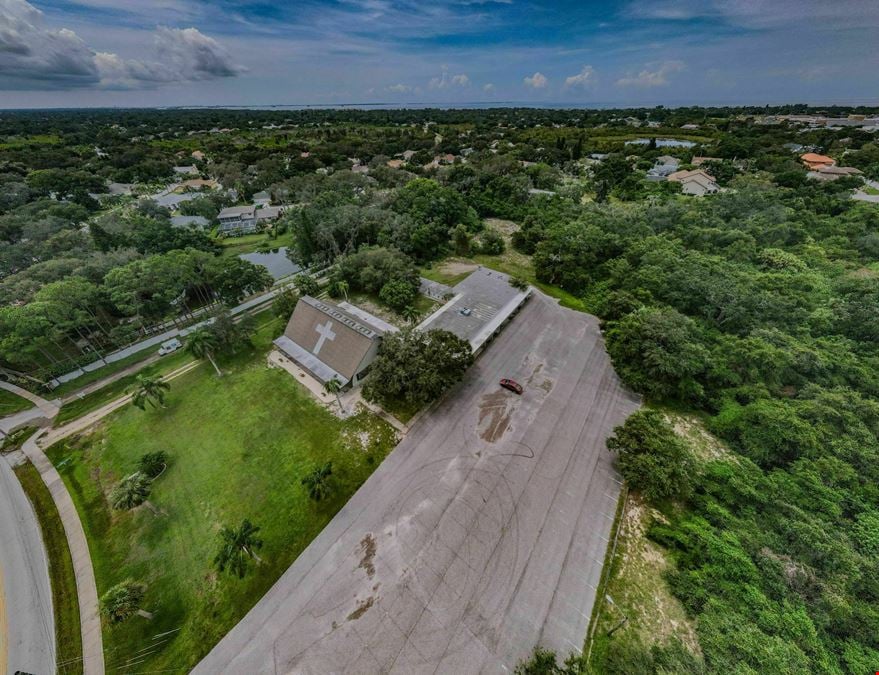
<point x="331" y="341"/>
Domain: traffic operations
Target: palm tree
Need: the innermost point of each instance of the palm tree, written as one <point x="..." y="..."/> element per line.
<point x="149" y="389"/>
<point x="130" y="492"/>
<point x="333" y="386"/>
<point x="318" y="482"/>
<point x="122" y="601"/>
<point x="410" y="314"/>
<point x="237" y="547"/>
<point x="342" y="287"/>
<point x="202" y="344"/>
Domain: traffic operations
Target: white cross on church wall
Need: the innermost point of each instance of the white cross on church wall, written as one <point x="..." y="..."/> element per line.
<point x="326" y="333"/>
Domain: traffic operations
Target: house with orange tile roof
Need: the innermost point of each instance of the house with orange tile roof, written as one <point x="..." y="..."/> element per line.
<point x="814" y="161"/>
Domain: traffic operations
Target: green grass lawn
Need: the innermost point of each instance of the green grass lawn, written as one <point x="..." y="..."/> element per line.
<point x="251" y="242"/>
<point x="870" y="190"/>
<point x="239" y="446"/>
<point x="80" y="406"/>
<point x="65" y="604"/>
<point x="438" y="274"/>
<point x="11" y="403"/>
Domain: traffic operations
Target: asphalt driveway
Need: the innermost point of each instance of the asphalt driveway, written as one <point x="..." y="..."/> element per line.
<point x="482" y="534"/>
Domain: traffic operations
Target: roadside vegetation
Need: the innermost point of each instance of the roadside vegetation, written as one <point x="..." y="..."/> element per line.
<point x="65" y="602"/>
<point x="11" y="403"/>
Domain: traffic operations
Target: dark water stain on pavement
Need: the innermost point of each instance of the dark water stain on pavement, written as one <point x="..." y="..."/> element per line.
<point x="368" y="548"/>
<point x="362" y="608"/>
<point x="494" y="416"/>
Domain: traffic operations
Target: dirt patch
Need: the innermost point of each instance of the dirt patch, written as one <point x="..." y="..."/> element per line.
<point x="362" y="608"/>
<point x="454" y="268"/>
<point x="638" y="585"/>
<point x="367" y="549"/>
<point x="704" y="444"/>
<point x="503" y="226"/>
<point x="494" y="416"/>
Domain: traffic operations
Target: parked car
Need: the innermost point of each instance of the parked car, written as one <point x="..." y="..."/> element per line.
<point x="465" y="311"/>
<point x="512" y="385"/>
<point x="169" y="346"/>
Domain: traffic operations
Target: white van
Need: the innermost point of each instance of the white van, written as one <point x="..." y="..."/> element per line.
<point x="169" y="346"/>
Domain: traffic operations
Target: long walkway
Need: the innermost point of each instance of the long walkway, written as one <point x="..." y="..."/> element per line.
<point x="480" y="536"/>
<point x="27" y="629"/>
<point x="87" y="592"/>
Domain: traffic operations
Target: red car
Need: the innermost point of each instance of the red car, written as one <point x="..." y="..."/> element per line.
<point x="512" y="385"/>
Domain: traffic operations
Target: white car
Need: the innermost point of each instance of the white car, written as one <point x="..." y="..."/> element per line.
<point x="170" y="346"/>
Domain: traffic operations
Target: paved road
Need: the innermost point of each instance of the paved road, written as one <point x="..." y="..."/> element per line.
<point x="27" y="629"/>
<point x="860" y="195"/>
<point x="482" y="534"/>
<point x="159" y="338"/>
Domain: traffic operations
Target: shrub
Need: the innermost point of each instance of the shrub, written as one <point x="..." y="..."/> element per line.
<point x="122" y="601"/>
<point x="397" y="294"/>
<point x="491" y="242"/>
<point x="651" y="457"/>
<point x="130" y="492"/>
<point x="153" y="463"/>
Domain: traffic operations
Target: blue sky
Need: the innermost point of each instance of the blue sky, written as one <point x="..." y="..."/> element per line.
<point x="639" y="52"/>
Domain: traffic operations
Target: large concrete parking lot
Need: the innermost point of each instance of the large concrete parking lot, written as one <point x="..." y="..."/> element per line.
<point x="481" y="535"/>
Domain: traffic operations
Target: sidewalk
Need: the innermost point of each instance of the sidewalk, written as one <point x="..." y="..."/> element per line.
<point x="86" y="589"/>
<point x="41" y="414"/>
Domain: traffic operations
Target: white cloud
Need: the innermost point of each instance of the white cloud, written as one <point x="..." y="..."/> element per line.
<point x="36" y="57"/>
<point x="652" y="78"/>
<point x="488" y="88"/>
<point x="536" y="81"/>
<point x="761" y="14"/>
<point x="446" y="81"/>
<point x="583" y="79"/>
<point x="399" y="88"/>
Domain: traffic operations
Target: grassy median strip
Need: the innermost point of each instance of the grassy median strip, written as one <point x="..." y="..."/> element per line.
<point x="12" y="403"/>
<point x="80" y="406"/>
<point x="65" y="603"/>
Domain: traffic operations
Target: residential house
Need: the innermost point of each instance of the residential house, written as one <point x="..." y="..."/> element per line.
<point x="396" y="163"/>
<point x="699" y="161"/>
<point x="696" y="182"/>
<point x="267" y="214"/>
<point x="198" y="155"/>
<point x="664" y="167"/>
<point x="813" y="161"/>
<point x="831" y="173"/>
<point x="191" y="170"/>
<point x="262" y="199"/>
<point x="237" y="220"/>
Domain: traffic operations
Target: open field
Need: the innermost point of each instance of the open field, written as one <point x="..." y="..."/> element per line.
<point x="238" y="448"/>
<point x="65" y="606"/>
<point x="80" y="406"/>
